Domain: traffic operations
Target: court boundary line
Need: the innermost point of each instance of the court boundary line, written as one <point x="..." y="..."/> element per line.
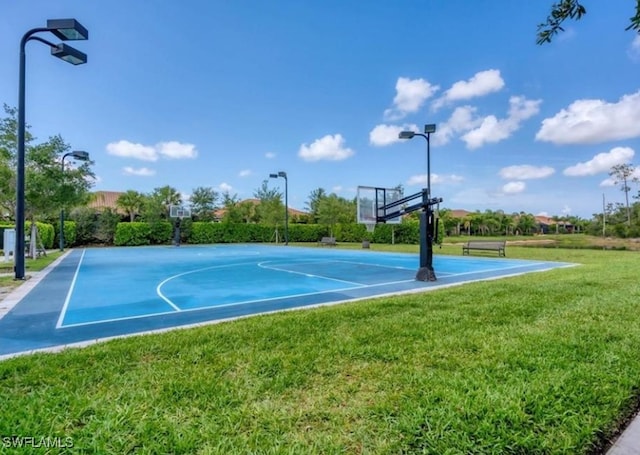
<point x="65" y="305"/>
<point x="244" y="302"/>
<point x="291" y="296"/>
<point x="176" y="308"/>
<point x="15" y="296"/>
<point x="86" y="343"/>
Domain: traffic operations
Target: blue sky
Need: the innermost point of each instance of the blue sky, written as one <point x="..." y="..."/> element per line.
<point x="223" y="93"/>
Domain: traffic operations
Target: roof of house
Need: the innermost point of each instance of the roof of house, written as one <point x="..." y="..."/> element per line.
<point x="459" y="213"/>
<point x="106" y="199"/>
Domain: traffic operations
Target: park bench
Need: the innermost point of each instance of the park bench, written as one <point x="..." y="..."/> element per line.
<point x="484" y="245"/>
<point x="327" y="241"/>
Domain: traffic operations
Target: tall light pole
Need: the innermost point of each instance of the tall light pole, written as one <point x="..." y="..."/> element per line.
<point x="81" y="156"/>
<point x="427" y="222"/>
<point x="286" y="203"/>
<point x="64" y="29"/>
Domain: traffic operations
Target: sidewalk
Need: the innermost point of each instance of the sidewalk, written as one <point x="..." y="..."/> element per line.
<point x="629" y="442"/>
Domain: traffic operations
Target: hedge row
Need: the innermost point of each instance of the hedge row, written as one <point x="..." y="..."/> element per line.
<point x="201" y="232"/>
<point x="46" y="232"/>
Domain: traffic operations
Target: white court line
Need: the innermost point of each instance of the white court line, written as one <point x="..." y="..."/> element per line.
<point x="163" y="282"/>
<point x="63" y="312"/>
<point x="162" y="296"/>
<point x="396" y="267"/>
<point x="243" y="302"/>
<point x="310" y="275"/>
<point x="125" y="318"/>
<point x="498" y="269"/>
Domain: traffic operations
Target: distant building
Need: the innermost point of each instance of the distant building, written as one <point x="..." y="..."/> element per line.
<point x="106" y="199"/>
<point x="548" y="225"/>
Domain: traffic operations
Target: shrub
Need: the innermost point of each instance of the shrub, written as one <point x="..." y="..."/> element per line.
<point x="132" y="234"/>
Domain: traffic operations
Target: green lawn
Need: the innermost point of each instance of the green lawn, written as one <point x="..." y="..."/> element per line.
<point x="546" y="363"/>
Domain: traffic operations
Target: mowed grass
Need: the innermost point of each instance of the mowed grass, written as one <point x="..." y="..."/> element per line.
<point x="545" y="363"/>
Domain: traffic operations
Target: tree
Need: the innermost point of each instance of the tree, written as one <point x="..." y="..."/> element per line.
<point x="313" y="203"/>
<point x="156" y="205"/>
<point x="621" y="174"/>
<point x="105" y="226"/>
<point x="270" y="210"/>
<point x="334" y="209"/>
<point x="448" y="222"/>
<point x="131" y="202"/>
<point x="572" y="9"/>
<point x="8" y="160"/>
<point x="203" y="202"/>
<point x="526" y="223"/>
<point x="232" y="213"/>
<point x="47" y="189"/>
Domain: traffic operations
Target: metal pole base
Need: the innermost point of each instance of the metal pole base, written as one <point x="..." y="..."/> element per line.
<point x="426" y="274"/>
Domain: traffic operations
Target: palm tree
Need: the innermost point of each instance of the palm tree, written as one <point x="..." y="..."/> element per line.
<point x="131" y="202"/>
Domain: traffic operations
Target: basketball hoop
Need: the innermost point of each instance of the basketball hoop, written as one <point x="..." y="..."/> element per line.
<point x="370" y="227"/>
<point x="179" y="212"/>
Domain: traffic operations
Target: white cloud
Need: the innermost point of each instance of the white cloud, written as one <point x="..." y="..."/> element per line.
<point x="171" y="149"/>
<point x="140" y="172"/>
<point x="482" y="83"/>
<point x="608" y="182"/>
<point x="513" y="187"/>
<point x="417" y="180"/>
<point x="410" y="96"/>
<point x="493" y="130"/>
<point x="383" y="135"/>
<point x="245" y="173"/>
<point x="128" y="149"/>
<point x="566" y="210"/>
<point x="592" y="121"/>
<point x="421" y="179"/>
<point x="602" y="162"/>
<point x="225" y="187"/>
<point x="462" y="119"/>
<point x="337" y="189"/>
<point x="634" y="49"/>
<point x="330" y="147"/>
<point x="269" y="155"/>
<point x="526" y="172"/>
<point x="177" y="150"/>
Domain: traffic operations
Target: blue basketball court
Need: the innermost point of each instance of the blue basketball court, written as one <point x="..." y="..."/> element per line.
<point x="96" y="294"/>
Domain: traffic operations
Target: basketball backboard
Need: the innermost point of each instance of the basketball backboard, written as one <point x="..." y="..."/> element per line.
<point x="179" y="211"/>
<point x="371" y="202"/>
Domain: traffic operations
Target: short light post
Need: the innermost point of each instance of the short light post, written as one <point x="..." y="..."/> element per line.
<point x="427" y="222"/>
<point x="64" y="29"/>
<point x="286" y="203"/>
<point x="81" y="156"/>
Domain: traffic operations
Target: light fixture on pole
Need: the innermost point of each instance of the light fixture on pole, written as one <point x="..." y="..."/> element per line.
<point x="286" y="203"/>
<point x="81" y="156"/>
<point x="427" y="222"/>
<point x="64" y="29"/>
